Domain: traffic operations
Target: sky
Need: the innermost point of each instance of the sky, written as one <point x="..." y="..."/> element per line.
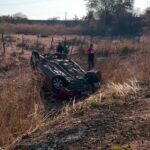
<point x="45" y="9"/>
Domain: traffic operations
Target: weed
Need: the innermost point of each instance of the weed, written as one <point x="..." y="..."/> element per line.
<point x="126" y="51"/>
<point x="14" y="54"/>
<point x="116" y="147"/>
<point x="94" y="103"/>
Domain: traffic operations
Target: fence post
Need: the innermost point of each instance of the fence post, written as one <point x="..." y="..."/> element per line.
<point x="22" y="45"/>
<point x="37" y="43"/>
<point x="3" y="42"/>
<point x="51" y="46"/>
<point x="81" y="47"/>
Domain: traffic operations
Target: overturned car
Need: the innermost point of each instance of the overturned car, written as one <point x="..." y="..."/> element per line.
<point x="62" y="77"/>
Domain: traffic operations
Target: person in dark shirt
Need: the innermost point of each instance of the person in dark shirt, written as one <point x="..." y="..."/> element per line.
<point x="90" y="52"/>
<point x="60" y="48"/>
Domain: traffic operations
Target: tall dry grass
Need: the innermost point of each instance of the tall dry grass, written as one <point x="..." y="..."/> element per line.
<point x="35" y="29"/>
<point x="20" y="102"/>
<point x="20" y="105"/>
<point x="65" y="117"/>
<point x="120" y="70"/>
<point x="129" y="59"/>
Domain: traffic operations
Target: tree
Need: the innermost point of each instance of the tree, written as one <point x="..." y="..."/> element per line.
<point x="111" y="12"/>
<point x="90" y="22"/>
<point x="76" y="18"/>
<point x="90" y="16"/>
<point x="110" y="6"/>
<point x="102" y="8"/>
<point x="54" y="18"/>
<point x="20" y="15"/>
<point x="146" y="19"/>
<point x="123" y="19"/>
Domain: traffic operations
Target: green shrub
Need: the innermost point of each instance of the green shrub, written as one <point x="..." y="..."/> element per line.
<point x="121" y="148"/>
<point x="94" y="103"/>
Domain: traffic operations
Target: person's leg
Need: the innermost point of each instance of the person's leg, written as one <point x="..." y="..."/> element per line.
<point x="92" y="60"/>
<point x="89" y="62"/>
<point x="93" y="63"/>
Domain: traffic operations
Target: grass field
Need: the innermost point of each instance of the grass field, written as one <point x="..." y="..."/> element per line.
<point x="123" y="64"/>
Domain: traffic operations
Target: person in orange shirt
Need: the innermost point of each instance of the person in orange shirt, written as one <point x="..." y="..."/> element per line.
<point x="90" y="52"/>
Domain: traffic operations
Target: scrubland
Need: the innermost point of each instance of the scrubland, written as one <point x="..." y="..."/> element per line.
<point x="117" y="106"/>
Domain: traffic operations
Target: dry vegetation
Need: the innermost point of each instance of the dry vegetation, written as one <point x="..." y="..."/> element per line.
<point x="19" y="95"/>
<point x="124" y="64"/>
<point x="44" y="30"/>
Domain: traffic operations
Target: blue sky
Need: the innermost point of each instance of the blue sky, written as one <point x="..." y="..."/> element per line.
<point x="44" y="9"/>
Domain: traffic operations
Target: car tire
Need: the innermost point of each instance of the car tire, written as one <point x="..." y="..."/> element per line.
<point x="58" y="83"/>
<point x="92" y="79"/>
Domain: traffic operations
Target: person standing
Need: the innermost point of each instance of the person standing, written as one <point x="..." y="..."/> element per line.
<point x="60" y="48"/>
<point x="66" y="48"/>
<point x="90" y="52"/>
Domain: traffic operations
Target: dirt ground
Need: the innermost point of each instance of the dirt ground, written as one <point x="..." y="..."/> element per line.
<point x="124" y="123"/>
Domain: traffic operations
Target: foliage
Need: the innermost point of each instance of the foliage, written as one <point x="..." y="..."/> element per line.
<point x="126" y="51"/>
<point x="116" y="16"/>
<point x="121" y="148"/>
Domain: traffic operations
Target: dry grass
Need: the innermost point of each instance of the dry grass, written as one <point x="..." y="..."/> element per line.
<point x="110" y="95"/>
<point x="119" y="70"/>
<point x="21" y="112"/>
<point x="120" y="90"/>
<point x="45" y="30"/>
<point x="20" y="103"/>
<point x="47" y="124"/>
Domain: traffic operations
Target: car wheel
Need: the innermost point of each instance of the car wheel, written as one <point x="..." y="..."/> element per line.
<point x="58" y="83"/>
<point x="93" y="80"/>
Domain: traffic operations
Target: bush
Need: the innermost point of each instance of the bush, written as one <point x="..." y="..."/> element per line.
<point x="126" y="51"/>
<point x="39" y="29"/>
<point x="14" y="54"/>
<point x="94" y="103"/>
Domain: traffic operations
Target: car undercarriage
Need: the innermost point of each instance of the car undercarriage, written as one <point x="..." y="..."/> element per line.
<point x="62" y="77"/>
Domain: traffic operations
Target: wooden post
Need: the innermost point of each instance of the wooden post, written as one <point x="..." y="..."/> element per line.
<point x="51" y="46"/>
<point x="37" y="43"/>
<point x="3" y="43"/>
<point x="71" y="49"/>
<point x="22" y="45"/>
<point x="81" y="47"/>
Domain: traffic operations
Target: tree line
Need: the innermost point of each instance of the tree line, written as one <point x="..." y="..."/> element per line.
<point x="115" y="17"/>
<point x="104" y="17"/>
